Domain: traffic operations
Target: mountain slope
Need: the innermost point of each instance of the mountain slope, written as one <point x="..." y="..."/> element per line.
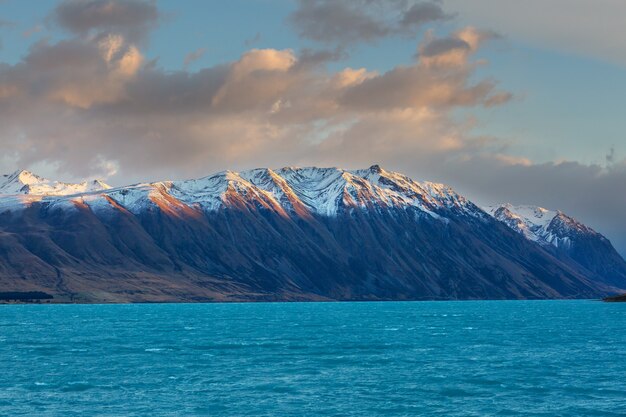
<point x="287" y="234"/>
<point x="566" y="237"/>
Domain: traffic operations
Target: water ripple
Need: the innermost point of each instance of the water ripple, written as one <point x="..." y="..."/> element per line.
<point x="329" y="359"/>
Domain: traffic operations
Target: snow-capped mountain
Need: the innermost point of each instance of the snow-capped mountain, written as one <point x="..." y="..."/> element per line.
<point x="565" y="234"/>
<point x="320" y="191"/>
<point x="25" y="182"/>
<point x="289" y="233"/>
<point x="538" y="224"/>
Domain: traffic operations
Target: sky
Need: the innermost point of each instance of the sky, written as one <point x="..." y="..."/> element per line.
<point x="506" y="101"/>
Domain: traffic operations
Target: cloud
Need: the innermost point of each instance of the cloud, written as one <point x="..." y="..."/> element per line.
<point x="92" y="105"/>
<point x="589" y="192"/>
<point x="439" y="78"/>
<point x="588" y="28"/>
<point x="443" y="46"/>
<point x="74" y="73"/>
<point x="453" y="50"/>
<point x="130" y="18"/>
<point x="355" y="21"/>
<point x="251" y="41"/>
<point x="421" y="13"/>
<point x="193" y="56"/>
<point x="314" y="57"/>
<point x="84" y="100"/>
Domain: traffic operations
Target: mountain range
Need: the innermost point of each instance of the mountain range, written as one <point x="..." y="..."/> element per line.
<point x="290" y="234"/>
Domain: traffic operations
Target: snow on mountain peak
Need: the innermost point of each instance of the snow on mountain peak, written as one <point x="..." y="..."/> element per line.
<point x="326" y="191"/>
<point x="538" y="224"/>
<point x="25" y="182"/>
<point x="26" y="177"/>
<point x="304" y="191"/>
<point x="532" y="215"/>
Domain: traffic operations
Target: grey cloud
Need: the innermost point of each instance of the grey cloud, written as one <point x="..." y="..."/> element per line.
<point x="82" y="103"/>
<point x="452" y="51"/>
<point x="132" y="18"/>
<point x="588" y="28"/>
<point x="422" y="13"/>
<point x="65" y="54"/>
<point x="251" y="41"/>
<point x="193" y="56"/>
<point x="314" y="57"/>
<point x="441" y="46"/>
<point x="591" y="193"/>
<point x="343" y="21"/>
<point x="355" y="21"/>
<point x="47" y="68"/>
<point x="439" y="78"/>
<point x="73" y="72"/>
<point x="158" y="92"/>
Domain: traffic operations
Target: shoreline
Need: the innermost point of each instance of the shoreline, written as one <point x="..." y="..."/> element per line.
<point x="50" y="302"/>
<point x="615" y="299"/>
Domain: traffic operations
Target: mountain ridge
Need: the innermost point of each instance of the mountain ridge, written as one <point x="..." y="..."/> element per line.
<point x="563" y="235"/>
<point x="285" y="234"/>
<point x="25" y="182"/>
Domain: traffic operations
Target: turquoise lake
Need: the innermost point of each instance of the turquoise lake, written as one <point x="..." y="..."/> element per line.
<point x="474" y="358"/>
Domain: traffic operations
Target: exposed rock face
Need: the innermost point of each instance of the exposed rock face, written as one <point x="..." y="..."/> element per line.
<point x="289" y="234"/>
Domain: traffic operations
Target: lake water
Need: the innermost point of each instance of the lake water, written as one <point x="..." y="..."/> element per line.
<point x="478" y="358"/>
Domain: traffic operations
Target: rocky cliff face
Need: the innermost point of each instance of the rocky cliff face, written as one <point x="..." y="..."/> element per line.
<point x="287" y="234"/>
